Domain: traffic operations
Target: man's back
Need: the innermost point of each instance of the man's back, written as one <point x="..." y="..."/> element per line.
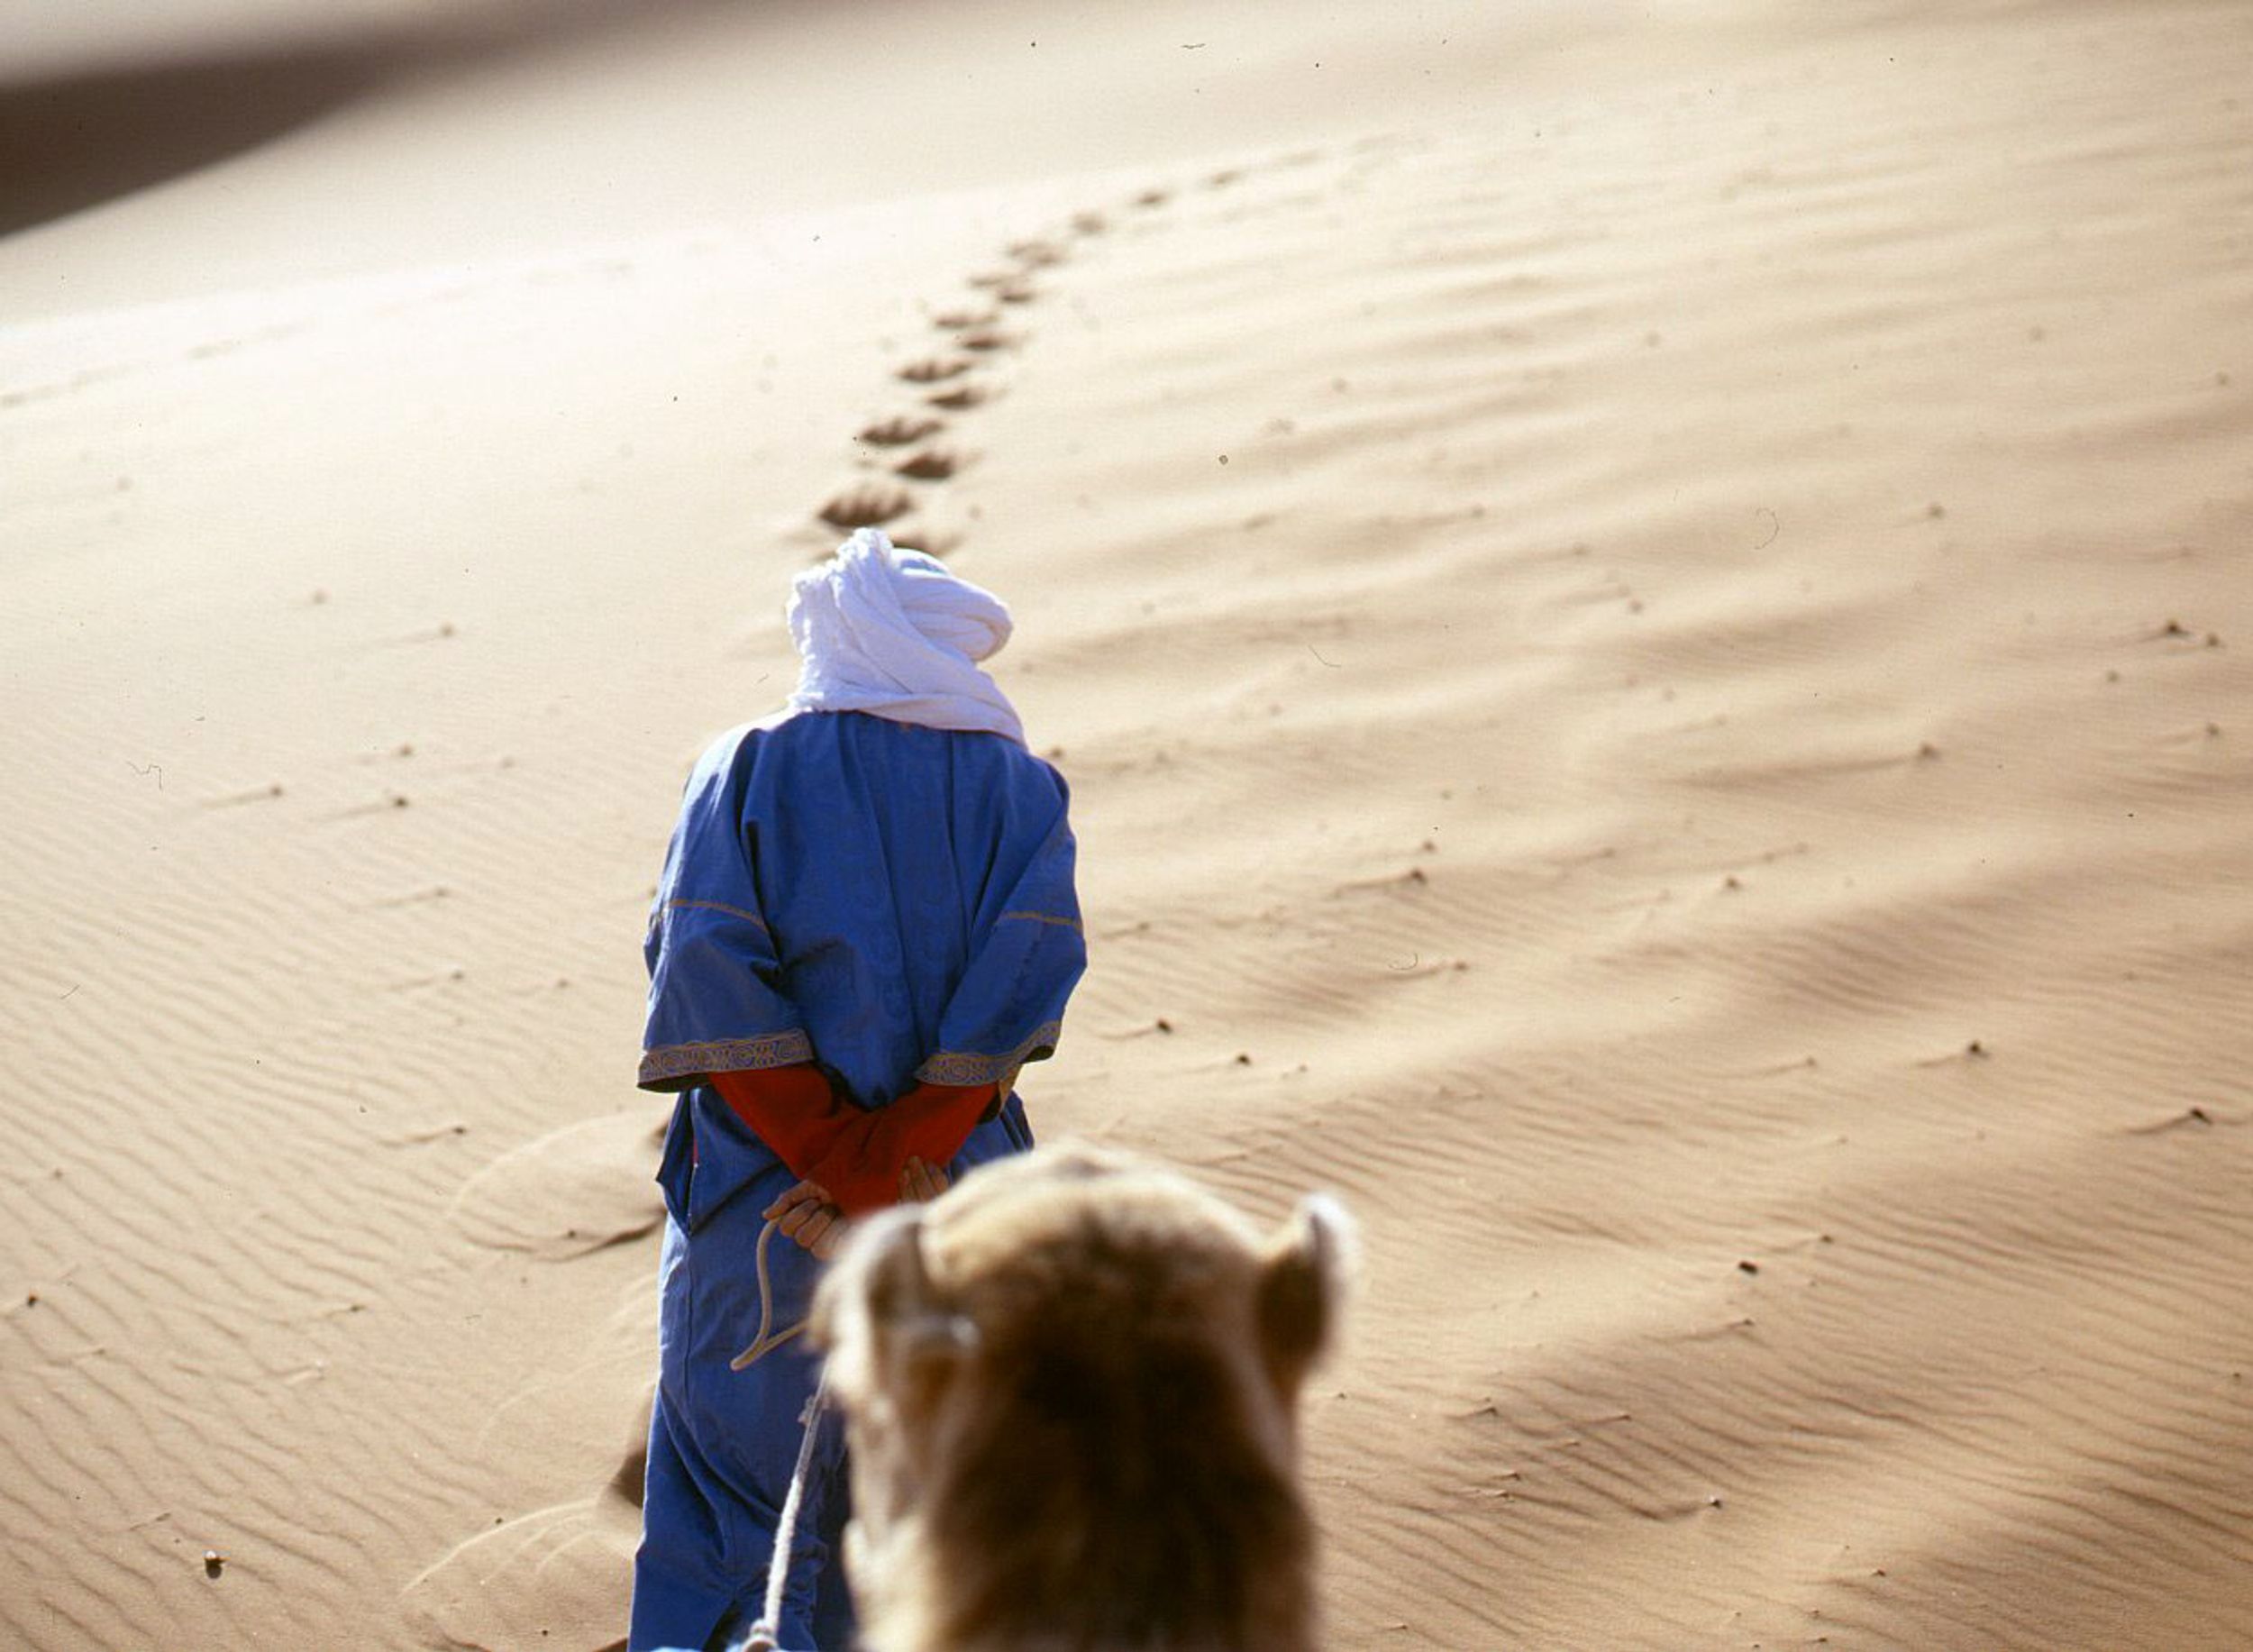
<point x="913" y="886"/>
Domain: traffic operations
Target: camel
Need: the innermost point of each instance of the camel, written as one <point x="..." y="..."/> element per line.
<point x="1070" y="1390"/>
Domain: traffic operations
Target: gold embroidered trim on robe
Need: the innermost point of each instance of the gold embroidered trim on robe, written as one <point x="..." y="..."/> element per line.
<point x="676" y="1061"/>
<point x="969" y="1067"/>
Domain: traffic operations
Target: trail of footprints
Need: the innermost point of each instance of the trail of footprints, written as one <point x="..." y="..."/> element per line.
<point x="903" y="454"/>
<point x="903" y="447"/>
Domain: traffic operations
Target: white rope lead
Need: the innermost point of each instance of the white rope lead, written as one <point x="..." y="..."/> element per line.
<point x="763" y="1632"/>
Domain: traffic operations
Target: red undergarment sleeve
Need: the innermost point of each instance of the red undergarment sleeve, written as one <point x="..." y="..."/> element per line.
<point x="860" y="1169"/>
<point x="790" y="1109"/>
<point x="854" y="1157"/>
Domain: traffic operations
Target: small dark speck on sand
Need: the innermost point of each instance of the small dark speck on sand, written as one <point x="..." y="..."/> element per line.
<point x="1749" y="1267"/>
<point x="214" y="1563"/>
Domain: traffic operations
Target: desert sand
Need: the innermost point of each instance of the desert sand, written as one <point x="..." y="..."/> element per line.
<point x="1649" y="609"/>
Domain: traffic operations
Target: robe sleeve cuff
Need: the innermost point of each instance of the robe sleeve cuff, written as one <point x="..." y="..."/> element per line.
<point x="676" y="1066"/>
<point x="969" y="1067"/>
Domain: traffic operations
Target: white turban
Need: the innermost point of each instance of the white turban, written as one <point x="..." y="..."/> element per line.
<point x="894" y="633"/>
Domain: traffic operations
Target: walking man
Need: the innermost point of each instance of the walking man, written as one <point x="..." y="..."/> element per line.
<point x="866" y="926"/>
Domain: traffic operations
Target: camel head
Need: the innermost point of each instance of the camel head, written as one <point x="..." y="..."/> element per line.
<point x="1070" y="1391"/>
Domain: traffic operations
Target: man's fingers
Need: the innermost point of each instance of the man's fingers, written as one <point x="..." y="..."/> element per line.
<point x="802" y="1194"/>
<point x="920" y="1183"/>
<point x="799" y="1221"/>
<point x="815" y="1225"/>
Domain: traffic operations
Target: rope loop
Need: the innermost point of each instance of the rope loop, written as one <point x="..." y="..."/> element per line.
<point x="762" y="1344"/>
<point x="764" y="1634"/>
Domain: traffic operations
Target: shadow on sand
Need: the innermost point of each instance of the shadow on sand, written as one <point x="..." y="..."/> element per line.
<point x="74" y="138"/>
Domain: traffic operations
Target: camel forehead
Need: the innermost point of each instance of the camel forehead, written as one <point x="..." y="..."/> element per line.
<point x="1090" y="1223"/>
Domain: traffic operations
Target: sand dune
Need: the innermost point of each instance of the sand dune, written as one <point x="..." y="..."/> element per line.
<point x="1651" y="650"/>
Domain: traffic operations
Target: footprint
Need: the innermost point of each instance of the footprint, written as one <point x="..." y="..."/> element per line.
<point x="960" y="396"/>
<point x="931" y="465"/>
<point x="867" y="506"/>
<point x="1149" y="198"/>
<point x="1037" y="254"/>
<point x="935" y="541"/>
<point x="1090" y="223"/>
<point x="982" y="339"/>
<point x="575" y="1190"/>
<point x="934" y="369"/>
<point x="1016" y="292"/>
<point x="567" y="1569"/>
<point x="899" y="432"/>
<point x="954" y="320"/>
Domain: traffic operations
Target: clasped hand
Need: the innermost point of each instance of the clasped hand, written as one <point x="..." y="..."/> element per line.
<point x="810" y="1218"/>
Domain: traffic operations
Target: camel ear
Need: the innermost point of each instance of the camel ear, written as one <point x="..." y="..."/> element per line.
<point x="1302" y="1287"/>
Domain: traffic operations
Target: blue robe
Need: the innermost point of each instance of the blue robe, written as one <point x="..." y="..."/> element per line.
<point x="895" y="902"/>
